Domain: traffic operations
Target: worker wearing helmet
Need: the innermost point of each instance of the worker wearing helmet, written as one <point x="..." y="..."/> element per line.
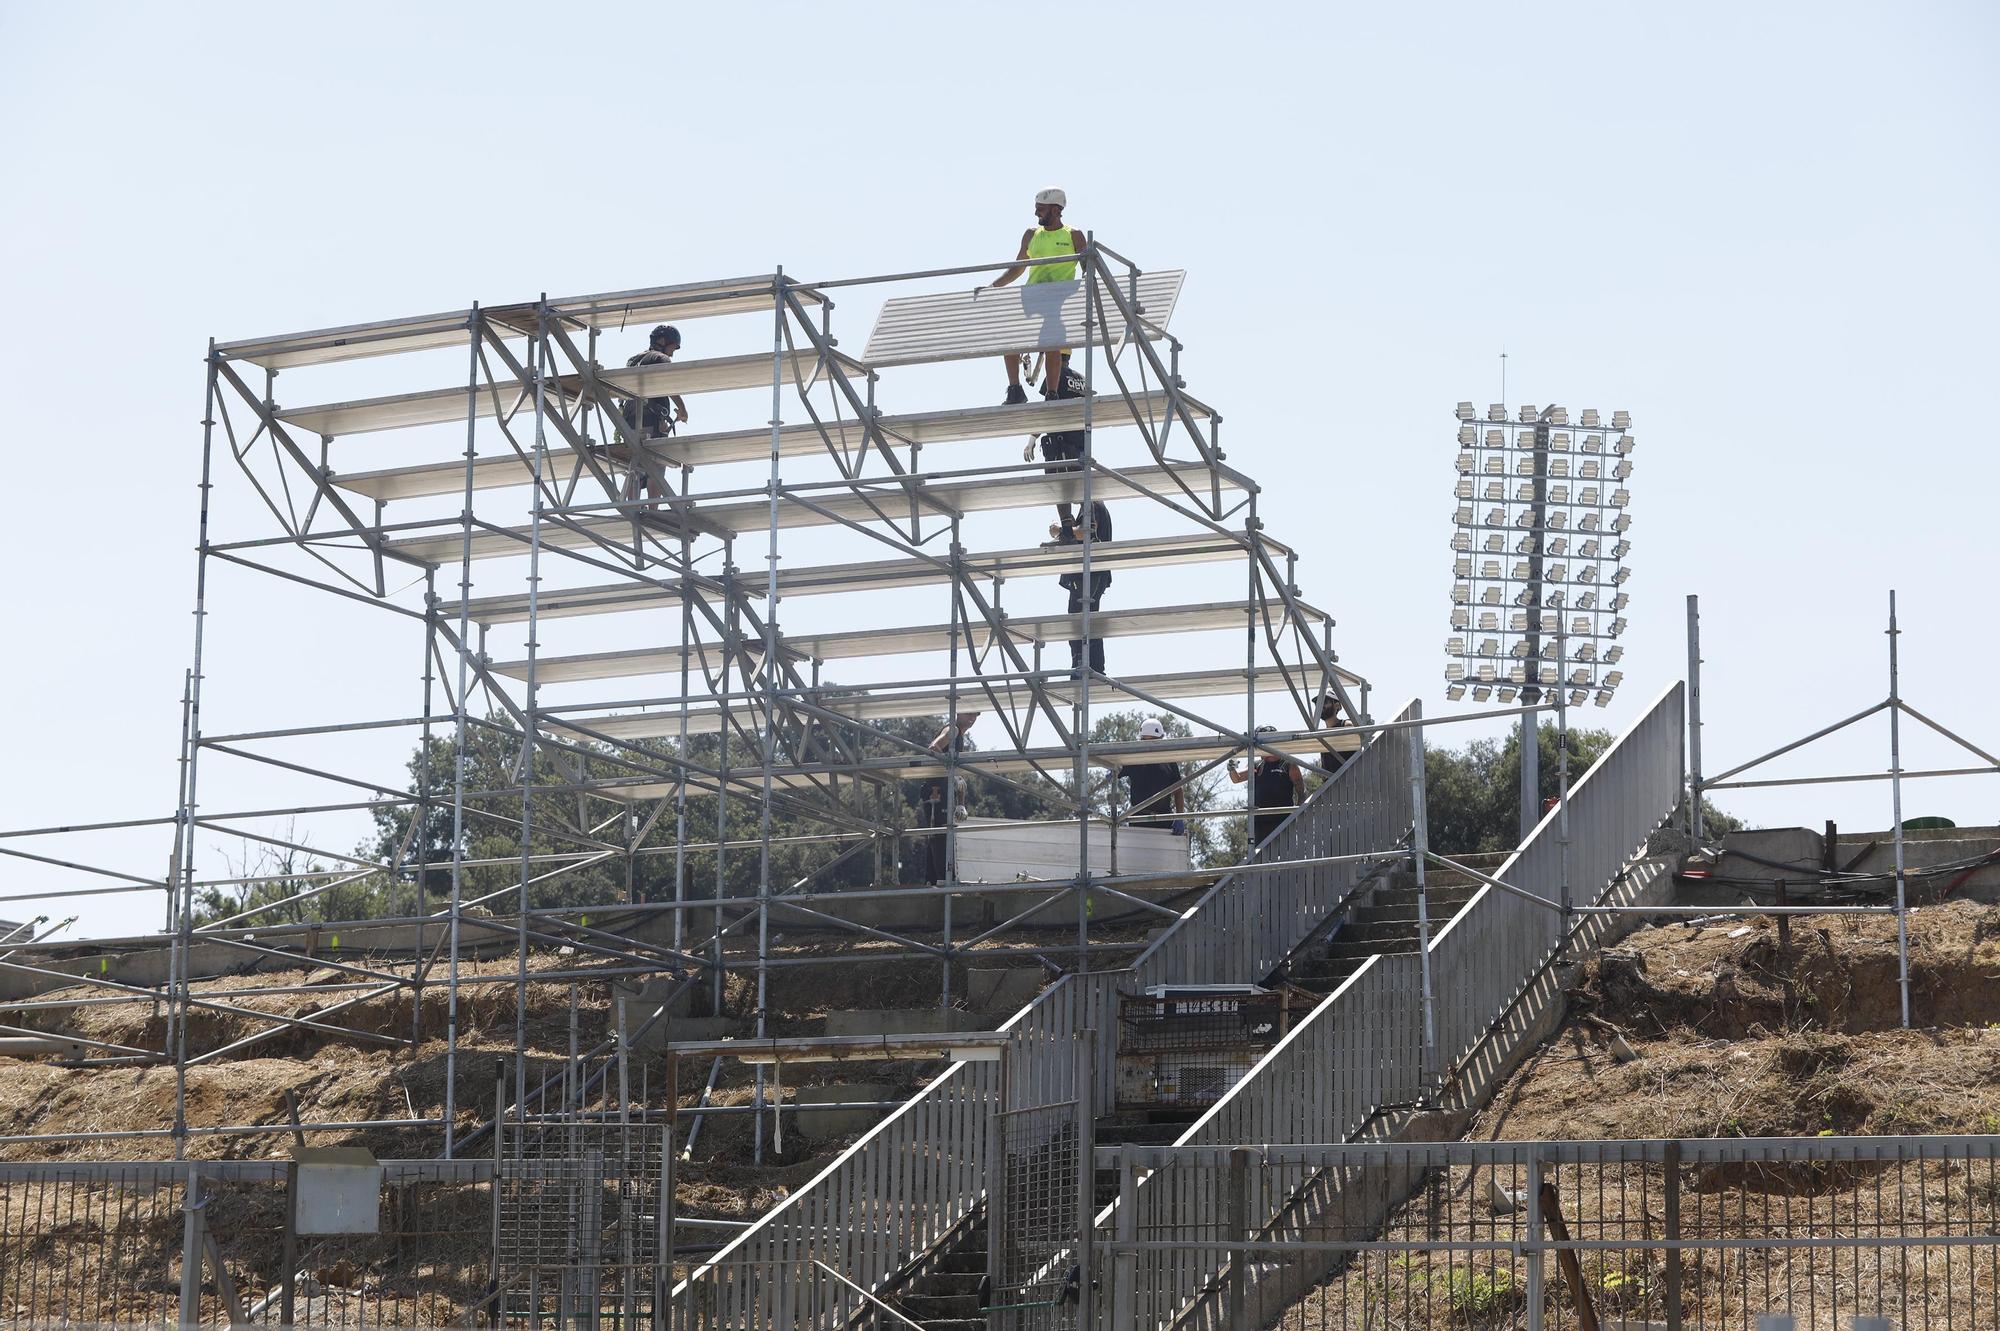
<point x="653" y="417"/>
<point x="1047" y="239"/>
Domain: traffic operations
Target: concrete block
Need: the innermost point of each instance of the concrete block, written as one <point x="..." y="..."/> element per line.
<point x="997" y="850"/>
<point x="682" y="1029"/>
<point x="824" y="1123"/>
<point x="340" y="1190"/>
<point x="1786" y="845"/>
<point x="899" y="1021"/>
<point x="1007" y="989"/>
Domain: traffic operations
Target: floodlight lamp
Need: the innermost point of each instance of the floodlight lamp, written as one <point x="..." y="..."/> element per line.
<point x="1461" y="541"/>
<point x="1556" y="572"/>
<point x="1587" y="574"/>
<point x="1526" y="545"/>
<point x="1621" y="420"/>
<point x="1580" y="625"/>
<point x="1557" y="520"/>
<point x="1462" y="567"/>
<point x="1464" y="464"/>
<point x="1496" y="517"/>
<point x="1486" y="672"/>
<point x="1559" y="415"/>
<point x="1589" y="522"/>
<point x="1493" y="543"/>
<point x="1518" y="673"/>
<point x="1489" y="596"/>
<point x="1626" y="444"/>
<point x="1507" y="693"/>
<point x="1462" y="515"/>
<point x="1489" y="568"/>
<point x="1587" y="601"/>
<point x="1489" y="622"/>
<point x="1556" y="598"/>
<point x="1464" y="411"/>
<point x="1462" y="490"/>
<point x="1461" y="593"/>
<point x="1621" y="522"/>
<point x="1559" y="441"/>
<point x="1589" y="469"/>
<point x="1580" y="675"/>
<point x="1587" y="652"/>
<point x="1614" y="679"/>
<point x="1621" y="549"/>
<point x="1489" y="647"/>
<point x="1455" y="692"/>
<point x="1454" y="671"/>
<point x="1613" y="655"/>
<point x="1551" y="650"/>
<point x="1604" y="697"/>
<point x="1559" y="545"/>
<point x="1497" y="412"/>
<point x="1617" y="627"/>
<point x="1518" y="624"/>
<point x="1623" y="469"/>
<point x="1495" y="438"/>
<point x="1481" y="692"/>
<point x="1468" y="435"/>
<point x="1525" y="465"/>
<point x="1619" y="578"/>
<point x="1577" y="697"/>
<point x="1548" y="674"/>
<point x="1549" y="624"/>
<point x="1461" y="618"/>
<point x="1524" y="493"/>
<point x="1589" y="417"/>
<point x="1620" y="496"/>
<point x="1558" y="467"/>
<point x="1587" y="496"/>
<point x="1589" y="549"/>
<point x="1620" y="601"/>
<point x="1454" y="646"/>
<point x="1558" y="494"/>
<point x="1495" y="467"/>
<point x="1593" y="443"/>
<point x="1527" y="413"/>
<point x="1520" y="647"/>
<point x="1521" y="569"/>
<point x="1523" y="597"/>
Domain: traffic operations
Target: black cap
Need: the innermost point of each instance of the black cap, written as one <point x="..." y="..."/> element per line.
<point x="669" y="332"/>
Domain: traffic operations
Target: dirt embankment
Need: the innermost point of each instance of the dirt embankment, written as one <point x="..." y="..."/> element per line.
<point x="1738" y="1034"/>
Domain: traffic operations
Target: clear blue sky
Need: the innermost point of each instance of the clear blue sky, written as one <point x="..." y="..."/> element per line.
<point x="1767" y="230"/>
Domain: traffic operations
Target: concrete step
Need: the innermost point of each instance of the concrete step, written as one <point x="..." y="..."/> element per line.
<point x="1439" y="894"/>
<point x="946" y="1284"/>
<point x="956" y="1324"/>
<point x="1139" y="1134"/>
<point x="1341" y="950"/>
<point x="1400" y="914"/>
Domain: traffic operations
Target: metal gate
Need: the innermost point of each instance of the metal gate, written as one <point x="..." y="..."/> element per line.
<point x="577" y="1223"/>
<point x="1042" y="1200"/>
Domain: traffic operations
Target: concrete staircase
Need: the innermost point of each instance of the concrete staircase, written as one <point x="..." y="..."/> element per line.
<point x="949" y="1297"/>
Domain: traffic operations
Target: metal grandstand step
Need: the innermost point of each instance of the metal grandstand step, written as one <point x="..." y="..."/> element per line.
<point x="1035" y="561"/>
<point x="699" y="450"/>
<point x="614" y="311"/>
<point x="440" y="406"/>
<point x="1026" y="632"/>
<point x="861" y="502"/>
<point x="870" y="704"/>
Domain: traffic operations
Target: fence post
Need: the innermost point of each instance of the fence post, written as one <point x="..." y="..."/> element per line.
<point x="191" y="1251"/>
<point x="1240" y="1158"/>
<point x="1534" y="1252"/>
<point x="1125" y="1262"/>
<point x="496" y="1309"/>
<point x="1086" y="1174"/>
<point x="288" y="1278"/>
<point x="1673" y="1182"/>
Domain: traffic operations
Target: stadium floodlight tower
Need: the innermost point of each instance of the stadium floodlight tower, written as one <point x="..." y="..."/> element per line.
<point x="1538" y="565"/>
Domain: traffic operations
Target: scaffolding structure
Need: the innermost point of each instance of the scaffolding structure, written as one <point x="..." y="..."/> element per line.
<point x="530" y="516"/>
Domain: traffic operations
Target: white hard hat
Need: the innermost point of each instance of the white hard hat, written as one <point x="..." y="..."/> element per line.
<point x="1151" y="729"/>
<point x="1051" y="195"/>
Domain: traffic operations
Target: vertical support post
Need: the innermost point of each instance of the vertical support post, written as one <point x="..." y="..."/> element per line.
<point x="1085" y="1054"/>
<point x="1087" y="269"/>
<point x="497" y="1312"/>
<point x="1420" y="856"/>
<point x="1673" y="1222"/>
<point x="767" y="691"/>
<point x="1537" y="1295"/>
<point x="1694" y="717"/>
<point x="460" y="721"/>
<point x="539" y="363"/>
<point x="1531" y="748"/>
<point x="422" y="814"/>
<point x="184" y="926"/>
<point x="288" y="1276"/>
<point x="1562" y="784"/>
<point x="1896" y="806"/>
<point x="191" y="1251"/>
<point x="1125" y="1278"/>
<point x="663" y="1265"/>
<point x="1240" y="1160"/>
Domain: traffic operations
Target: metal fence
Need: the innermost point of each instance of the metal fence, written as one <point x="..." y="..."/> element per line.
<point x="920" y="1174"/>
<point x="1485" y="956"/>
<point x="1708" y="1235"/>
<point x="165" y="1244"/>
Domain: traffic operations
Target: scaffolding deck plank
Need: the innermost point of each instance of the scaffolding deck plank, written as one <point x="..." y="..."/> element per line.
<point x="992" y="321"/>
<point x="893" y="495"/>
<point x="1025" y="632"/>
<point x="1308" y="745"/>
<point x="1033" y="561"/>
<point x="695" y="450"/>
<point x="619" y="310"/>
<point x="440" y="406"/>
<point x="870" y="705"/>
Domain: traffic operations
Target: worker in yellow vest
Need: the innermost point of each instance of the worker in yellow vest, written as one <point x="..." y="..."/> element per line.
<point x="1048" y="238"/>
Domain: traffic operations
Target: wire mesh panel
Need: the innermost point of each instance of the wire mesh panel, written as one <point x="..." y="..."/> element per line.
<point x="98" y="1244"/>
<point x="1559" y="1236"/>
<point x="577" y="1222"/>
<point x="1035" y="1263"/>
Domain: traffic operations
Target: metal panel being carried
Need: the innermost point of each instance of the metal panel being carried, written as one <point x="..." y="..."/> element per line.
<point x="991" y="321"/>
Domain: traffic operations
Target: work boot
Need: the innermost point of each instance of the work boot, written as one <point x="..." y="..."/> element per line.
<point x="1016" y="396"/>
